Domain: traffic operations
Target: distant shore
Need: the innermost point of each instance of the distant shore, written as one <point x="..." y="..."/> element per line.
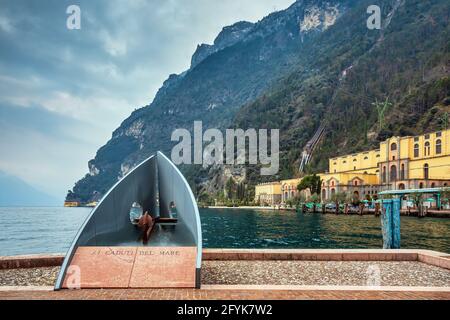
<point x="412" y="213"/>
<point x="250" y="207"/>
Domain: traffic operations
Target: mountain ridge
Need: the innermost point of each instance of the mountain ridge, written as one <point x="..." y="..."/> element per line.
<point x="16" y="192"/>
<point x="295" y="69"/>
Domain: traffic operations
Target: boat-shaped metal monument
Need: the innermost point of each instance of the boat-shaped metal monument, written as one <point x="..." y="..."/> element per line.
<point x="113" y="251"/>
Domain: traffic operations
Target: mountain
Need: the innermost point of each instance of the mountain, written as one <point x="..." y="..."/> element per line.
<point x="315" y="63"/>
<point x="15" y="192"/>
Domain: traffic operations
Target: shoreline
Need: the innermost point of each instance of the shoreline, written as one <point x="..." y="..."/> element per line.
<point x="404" y="213"/>
<point x="249" y="207"/>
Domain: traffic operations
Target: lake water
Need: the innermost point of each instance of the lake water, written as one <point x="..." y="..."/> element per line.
<point x="51" y="230"/>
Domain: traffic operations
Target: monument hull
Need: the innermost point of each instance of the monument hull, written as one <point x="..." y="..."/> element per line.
<point x="144" y="233"/>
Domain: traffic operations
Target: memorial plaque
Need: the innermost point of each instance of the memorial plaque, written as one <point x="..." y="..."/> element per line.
<point x="135" y="267"/>
<point x="103" y="267"/>
<point x="160" y="267"/>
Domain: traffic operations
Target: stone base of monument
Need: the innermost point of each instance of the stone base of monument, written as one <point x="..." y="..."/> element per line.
<point x="132" y="267"/>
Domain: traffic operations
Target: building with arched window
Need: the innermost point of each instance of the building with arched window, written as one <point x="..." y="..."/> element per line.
<point x="419" y="161"/>
<point x="268" y="193"/>
<point x="400" y="163"/>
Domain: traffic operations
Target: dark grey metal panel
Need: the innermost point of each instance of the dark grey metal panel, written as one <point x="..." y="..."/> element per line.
<point x="109" y="222"/>
<point x="173" y="187"/>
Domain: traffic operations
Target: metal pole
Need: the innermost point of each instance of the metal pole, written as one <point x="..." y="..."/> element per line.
<point x="396" y="205"/>
<point x="386" y="223"/>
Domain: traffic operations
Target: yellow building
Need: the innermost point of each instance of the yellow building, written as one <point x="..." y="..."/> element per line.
<point x="275" y="193"/>
<point x="268" y="193"/>
<point x="364" y="162"/>
<point x="289" y="190"/>
<point x="360" y="184"/>
<point x="415" y="162"/>
<point x="399" y="163"/>
<point x="71" y="204"/>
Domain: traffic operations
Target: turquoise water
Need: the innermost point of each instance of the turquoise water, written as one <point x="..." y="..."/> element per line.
<point x="50" y="230"/>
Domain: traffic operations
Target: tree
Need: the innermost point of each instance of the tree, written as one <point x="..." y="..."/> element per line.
<point x="445" y="196"/>
<point x="349" y="198"/>
<point x="417" y="199"/>
<point x="315" y="199"/>
<point x="381" y="107"/>
<point x="299" y="200"/>
<point x="444" y="121"/>
<point x="230" y="188"/>
<point x="338" y="199"/>
<point x="311" y="182"/>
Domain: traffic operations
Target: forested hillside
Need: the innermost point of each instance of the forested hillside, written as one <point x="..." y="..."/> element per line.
<point x="311" y="64"/>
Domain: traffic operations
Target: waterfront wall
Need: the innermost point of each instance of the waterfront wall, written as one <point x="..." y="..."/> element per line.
<point x="434" y="258"/>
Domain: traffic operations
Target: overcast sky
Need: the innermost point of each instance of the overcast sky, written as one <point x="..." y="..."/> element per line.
<point x="63" y="92"/>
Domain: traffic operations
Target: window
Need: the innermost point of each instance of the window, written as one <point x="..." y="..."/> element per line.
<point x="366" y="158"/>
<point x="427" y="150"/>
<point x="394" y="147"/>
<point x="438" y="146"/>
<point x="402" y="172"/>
<point x="344" y="162"/>
<point x="427" y="136"/>
<point x="421" y="185"/>
<point x="416" y="150"/>
<point x="438" y="134"/>
<point x="426" y="171"/>
<point x="136" y="212"/>
<point x="416" y="139"/>
<point x="355" y="182"/>
<point x="384" y="175"/>
<point x="354" y="160"/>
<point x="393" y="175"/>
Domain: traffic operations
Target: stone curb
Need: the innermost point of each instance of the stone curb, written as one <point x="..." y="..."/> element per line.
<point x="434" y="258"/>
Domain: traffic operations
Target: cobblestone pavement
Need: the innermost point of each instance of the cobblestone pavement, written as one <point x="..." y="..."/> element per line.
<point x="323" y="273"/>
<point x="205" y="294"/>
<point x="29" y="277"/>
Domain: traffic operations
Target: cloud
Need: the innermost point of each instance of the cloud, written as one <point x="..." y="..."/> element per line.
<point x="6" y="25"/>
<point x="63" y="92"/>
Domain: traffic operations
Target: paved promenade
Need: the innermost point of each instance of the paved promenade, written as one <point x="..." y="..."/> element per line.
<point x="249" y="274"/>
<point x="237" y="293"/>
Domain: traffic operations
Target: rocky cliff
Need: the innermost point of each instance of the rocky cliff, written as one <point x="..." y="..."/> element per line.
<point x="313" y="63"/>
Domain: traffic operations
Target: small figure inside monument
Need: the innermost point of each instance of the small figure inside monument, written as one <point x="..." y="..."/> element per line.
<point x="173" y="210"/>
<point x="146" y="223"/>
